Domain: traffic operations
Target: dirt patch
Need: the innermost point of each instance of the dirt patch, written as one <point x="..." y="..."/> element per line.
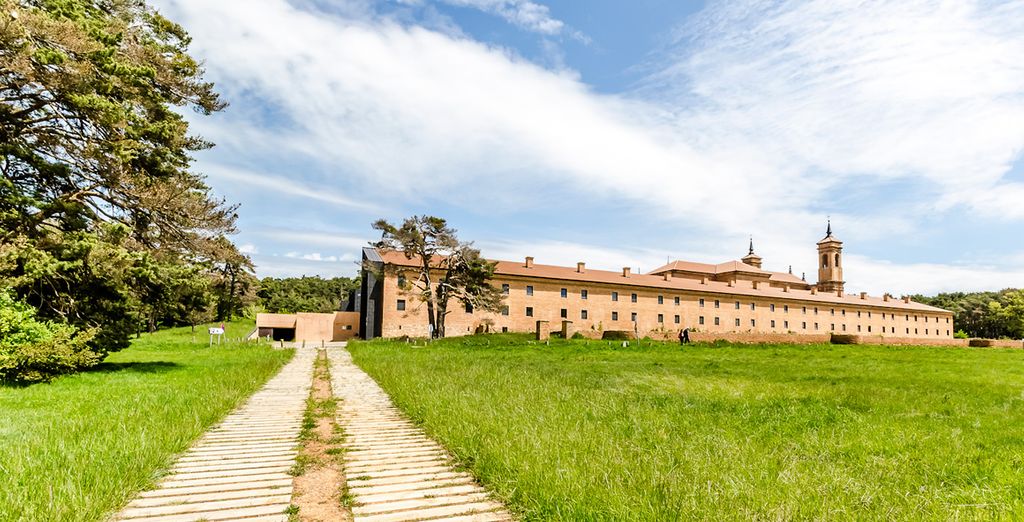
<point x="319" y="477"/>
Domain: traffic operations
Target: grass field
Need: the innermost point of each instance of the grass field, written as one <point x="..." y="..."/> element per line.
<point x="584" y="431"/>
<point x="80" y="447"/>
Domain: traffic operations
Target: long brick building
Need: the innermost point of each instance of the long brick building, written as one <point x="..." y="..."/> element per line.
<point x="736" y="300"/>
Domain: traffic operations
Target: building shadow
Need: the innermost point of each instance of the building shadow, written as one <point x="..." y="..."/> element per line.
<point x="134" y="367"/>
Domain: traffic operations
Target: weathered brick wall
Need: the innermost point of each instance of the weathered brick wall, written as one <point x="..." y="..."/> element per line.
<point x="754" y="338"/>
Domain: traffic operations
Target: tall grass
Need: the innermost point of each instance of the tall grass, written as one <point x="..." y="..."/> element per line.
<point x="582" y="431"/>
<point x="81" y="446"/>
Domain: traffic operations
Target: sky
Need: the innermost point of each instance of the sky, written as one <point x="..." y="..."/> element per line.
<point x="625" y="133"/>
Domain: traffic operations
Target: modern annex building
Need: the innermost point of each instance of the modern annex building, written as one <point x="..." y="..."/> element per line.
<point x="736" y="300"/>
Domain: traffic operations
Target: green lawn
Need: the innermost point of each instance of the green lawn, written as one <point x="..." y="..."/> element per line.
<point x="582" y="431"/>
<point x="79" y="447"/>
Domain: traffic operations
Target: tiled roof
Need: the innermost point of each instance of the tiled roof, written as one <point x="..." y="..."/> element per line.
<point x="562" y="273"/>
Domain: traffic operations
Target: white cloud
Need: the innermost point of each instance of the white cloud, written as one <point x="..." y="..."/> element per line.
<point x="248" y="248"/>
<point x="317" y="256"/>
<point x="771" y="110"/>
<point x="284" y="185"/>
<point x="311" y="237"/>
<point x="522" y="13"/>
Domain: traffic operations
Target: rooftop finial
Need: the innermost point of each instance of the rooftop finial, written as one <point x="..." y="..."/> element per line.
<point x="790" y="269"/>
<point x="828" y="232"/>
<point x="751" y="245"/>
<point x="803" y="276"/>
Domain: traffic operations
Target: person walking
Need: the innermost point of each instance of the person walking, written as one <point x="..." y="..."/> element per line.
<point x="684" y="336"/>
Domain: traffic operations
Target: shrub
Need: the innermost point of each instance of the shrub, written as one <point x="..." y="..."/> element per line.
<point x="616" y="335"/>
<point x="32" y="350"/>
<point x="578" y="335"/>
<point x="960" y="334"/>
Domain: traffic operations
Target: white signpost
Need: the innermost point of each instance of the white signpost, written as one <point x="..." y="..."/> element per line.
<point x="219" y="332"/>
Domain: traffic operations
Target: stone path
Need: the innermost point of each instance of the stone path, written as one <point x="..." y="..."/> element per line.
<point x="238" y="470"/>
<point x="394" y="471"/>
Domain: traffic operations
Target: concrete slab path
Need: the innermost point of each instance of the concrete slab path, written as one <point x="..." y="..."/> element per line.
<point x="394" y="471"/>
<point x="239" y="469"/>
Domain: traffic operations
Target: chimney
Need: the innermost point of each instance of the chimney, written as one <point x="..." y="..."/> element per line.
<point x="755" y="284"/>
<point x="529" y="261"/>
<point x="814" y="290"/>
<point x="581" y="267"/>
<point x="839" y="293"/>
<point x="863" y="295"/>
<point x="732" y="282"/>
<point x="625" y="271"/>
<point x="668" y="276"/>
<point x="785" y="288"/>
<point x="906" y="299"/>
<point x="704" y="280"/>
<point x="886" y="296"/>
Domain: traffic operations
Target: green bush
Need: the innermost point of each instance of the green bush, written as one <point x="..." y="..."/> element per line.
<point x="578" y="335"/>
<point x="960" y="334"/>
<point x="32" y="350"/>
<point x="616" y="335"/>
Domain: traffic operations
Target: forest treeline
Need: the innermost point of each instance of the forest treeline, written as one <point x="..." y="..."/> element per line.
<point x="993" y="315"/>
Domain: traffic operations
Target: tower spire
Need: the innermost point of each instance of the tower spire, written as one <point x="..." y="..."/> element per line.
<point x="828" y="231"/>
<point x="751" y="245"/>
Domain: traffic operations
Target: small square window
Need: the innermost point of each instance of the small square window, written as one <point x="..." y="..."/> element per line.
<point x="717" y="303"/>
<point x="700" y="320"/>
<point x="785" y="324"/>
<point x="753" y="323"/>
<point x="661" y="299"/>
<point x="678" y="319"/>
<point x="677" y="300"/>
<point x="504" y="288"/>
<point x="632" y="317"/>
<point x="504" y="329"/>
<point x="773" y="323"/>
<point x="564" y="313"/>
<point x="700" y="302"/>
<point x="717" y="321"/>
<point x="615" y="296"/>
<point x="632" y="298"/>
<point x="843" y="312"/>
<point x="504" y="310"/>
<point x="565" y="293"/>
<point x="661" y="318"/>
<point x="805" y="310"/>
<point x="785" y="309"/>
<point x="815" y="326"/>
<point x="583" y="294"/>
<point x="858" y="313"/>
<point x="844" y="327"/>
<point x="529" y="290"/>
<point x="529" y="311"/>
<point x="815" y="310"/>
<point x="401" y="305"/>
<point x="771" y="307"/>
<point x="833" y="311"/>
<point x="803" y="325"/>
<point x="615" y="316"/>
<point x="737" y="305"/>
<point x="469" y="308"/>
<point x="753" y="306"/>
<point x="737" y="321"/>
<point x="583" y="314"/>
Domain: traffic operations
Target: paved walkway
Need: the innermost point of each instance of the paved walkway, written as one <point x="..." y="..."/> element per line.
<point x="238" y="470"/>
<point x="394" y="471"/>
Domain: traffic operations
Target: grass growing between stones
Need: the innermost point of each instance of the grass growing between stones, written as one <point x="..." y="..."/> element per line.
<point x="81" y="446"/>
<point x="586" y="431"/>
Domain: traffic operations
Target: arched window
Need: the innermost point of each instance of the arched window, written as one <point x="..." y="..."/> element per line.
<point x="824" y="261"/>
<point x="837" y="260"/>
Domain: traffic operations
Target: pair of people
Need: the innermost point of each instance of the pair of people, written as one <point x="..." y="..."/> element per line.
<point x="684" y="336"/>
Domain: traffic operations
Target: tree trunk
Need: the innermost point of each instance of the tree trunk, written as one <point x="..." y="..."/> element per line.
<point x="442" y="312"/>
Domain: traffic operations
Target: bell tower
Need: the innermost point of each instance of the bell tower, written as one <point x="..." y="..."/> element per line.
<point x="830" y="263"/>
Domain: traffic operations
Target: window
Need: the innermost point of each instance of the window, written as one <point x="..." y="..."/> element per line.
<point x="785" y="309"/>
<point x="583" y="314"/>
<point x="869" y="328"/>
<point x="947" y="320"/>
<point x="632" y="317"/>
<point x="843" y="312"/>
<point x="858" y="314"/>
<point x="716" y="321"/>
<point x="908" y="331"/>
<point x="837" y="260"/>
<point x="773" y="323"/>
<point x="753" y="323"/>
<point x="947" y="332"/>
<point x="504" y="329"/>
<point x="815" y="326"/>
<point x="469" y="308"/>
<point x="632" y="298"/>
<point x="504" y="310"/>
<point x="915" y="331"/>
<point x="583" y="294"/>
<point x="737" y="305"/>
<point x="717" y="303"/>
<point x="678" y="319"/>
<point x="926" y="331"/>
<point x="661" y="299"/>
<point x="844" y="327"/>
<point x="615" y="296"/>
<point x="805" y="310"/>
<point x="785" y="324"/>
<point x="529" y="311"/>
<point x="869" y="314"/>
<point x="401" y="281"/>
<point x="824" y="260"/>
<point x="564" y="313"/>
<point x="833" y="327"/>
<point x="504" y="288"/>
<point x="752" y="306"/>
<point x="661" y="318"/>
<point x="677" y="300"/>
<point x="565" y="293"/>
<point x="615" y="316"/>
<point x="803" y="325"/>
<point x="737" y="321"/>
<point x="858" y="327"/>
<point x="401" y="305"/>
<point x="771" y="307"/>
<point x="529" y="289"/>
<point x="700" y="302"/>
<point x="915" y="318"/>
<point x="700" y="320"/>
<point x="815" y="310"/>
<point x="833" y="311"/>
<point x="906" y="318"/>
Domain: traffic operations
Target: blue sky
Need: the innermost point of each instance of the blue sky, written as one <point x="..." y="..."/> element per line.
<point x="625" y="133"/>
